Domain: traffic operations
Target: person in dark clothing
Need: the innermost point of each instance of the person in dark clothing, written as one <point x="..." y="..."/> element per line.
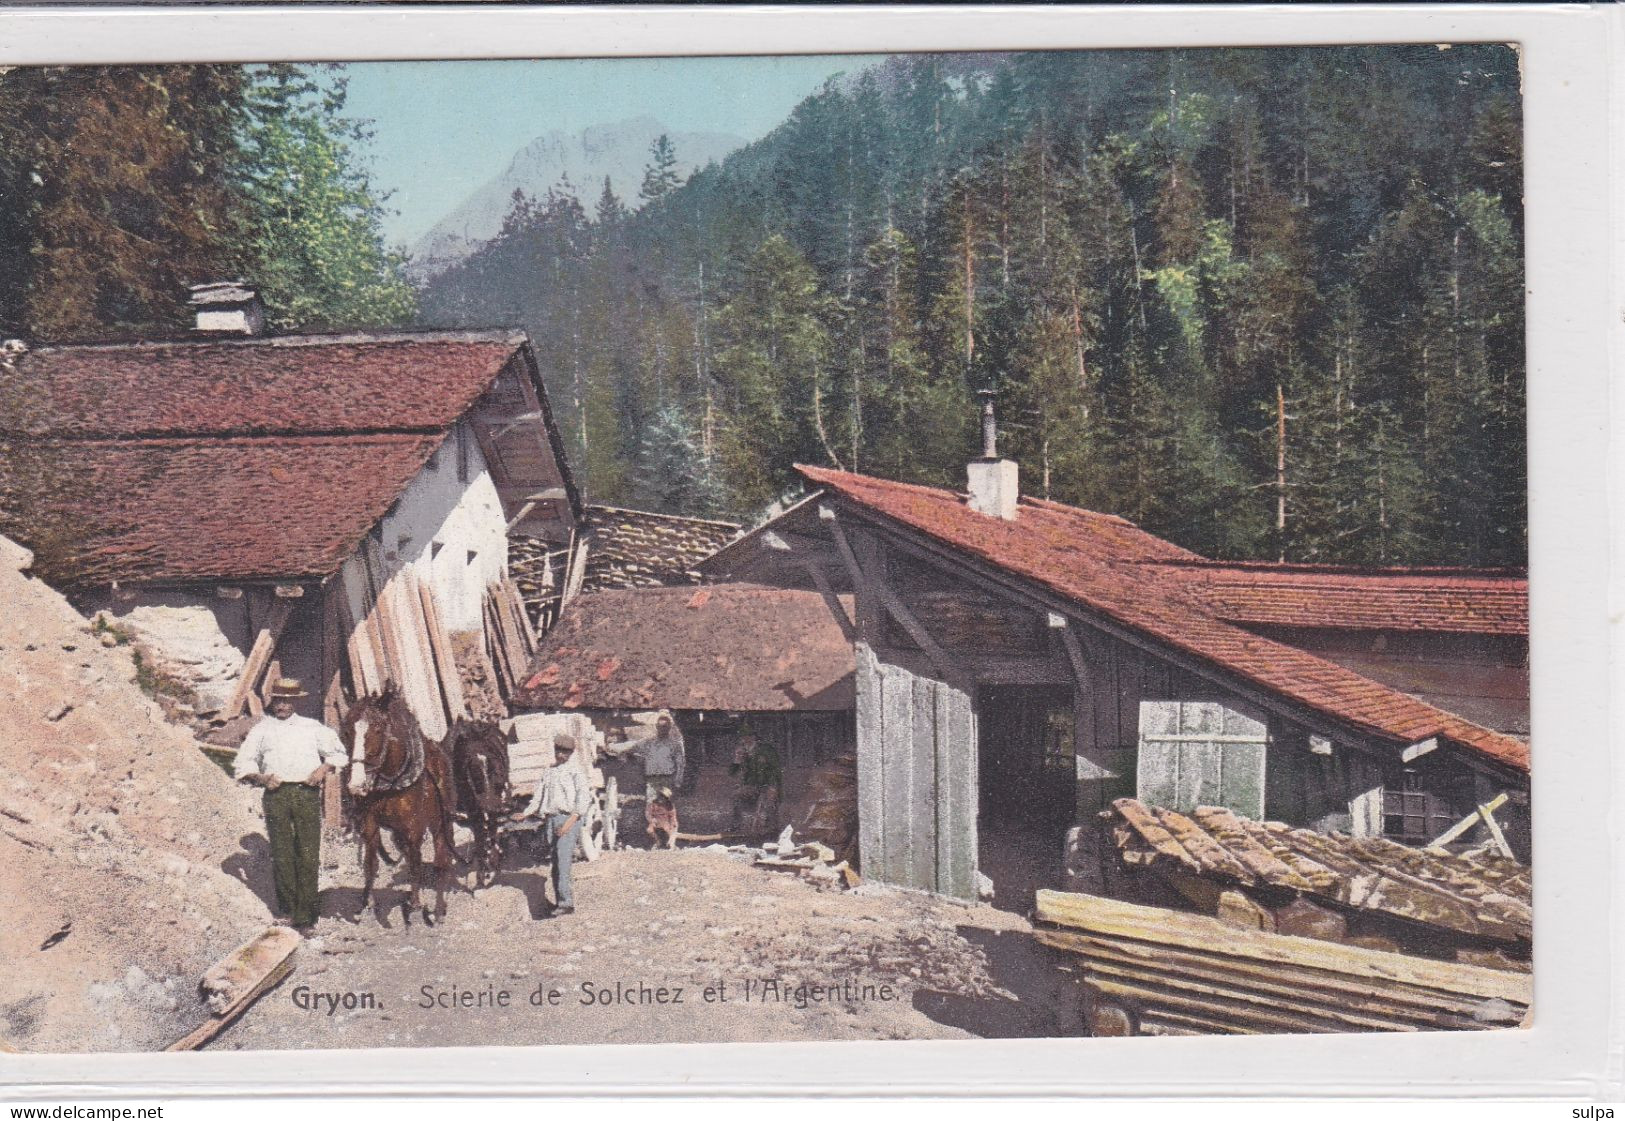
<point x="761" y="784"/>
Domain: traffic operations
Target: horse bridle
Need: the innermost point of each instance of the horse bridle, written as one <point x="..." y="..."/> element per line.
<point x="411" y="769"/>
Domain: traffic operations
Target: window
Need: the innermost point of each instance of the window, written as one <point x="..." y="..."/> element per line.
<point x="1414" y="814"/>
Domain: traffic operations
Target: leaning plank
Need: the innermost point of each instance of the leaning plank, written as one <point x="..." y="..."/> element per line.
<point x="1198" y="932"/>
<point x="451" y="684"/>
<point x="239" y="979"/>
<point x="259" y="657"/>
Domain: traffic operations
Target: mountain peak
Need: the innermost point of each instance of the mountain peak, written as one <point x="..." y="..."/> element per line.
<point x="618" y="150"/>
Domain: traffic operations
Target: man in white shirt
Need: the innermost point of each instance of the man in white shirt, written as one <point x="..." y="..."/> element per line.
<point x="289" y="755"/>
<point x="563" y="797"/>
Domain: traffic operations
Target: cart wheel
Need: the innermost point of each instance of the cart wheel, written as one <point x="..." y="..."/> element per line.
<point x="612" y="813"/>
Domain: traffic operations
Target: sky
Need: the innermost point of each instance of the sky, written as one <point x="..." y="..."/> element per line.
<point x="441" y="129"/>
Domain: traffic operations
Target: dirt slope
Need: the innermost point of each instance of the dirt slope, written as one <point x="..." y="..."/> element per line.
<point x="114" y="828"/>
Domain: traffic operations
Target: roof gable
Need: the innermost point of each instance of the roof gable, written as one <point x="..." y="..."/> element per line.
<point x="1100" y="562"/>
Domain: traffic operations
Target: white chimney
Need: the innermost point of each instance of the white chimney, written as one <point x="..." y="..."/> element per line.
<point x="995" y="485"/>
<point x="227" y="307"/>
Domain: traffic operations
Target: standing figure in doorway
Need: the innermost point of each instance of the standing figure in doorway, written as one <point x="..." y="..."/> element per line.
<point x="664" y="759"/>
<point x="761" y="784"/>
<point x="288" y="756"/>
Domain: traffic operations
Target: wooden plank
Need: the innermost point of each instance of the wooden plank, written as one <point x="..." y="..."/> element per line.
<point x="964" y="775"/>
<point x="872" y="854"/>
<point x="1421" y="1006"/>
<point x="259" y="657"/>
<point x="922" y="783"/>
<point x="1467" y="822"/>
<point x="451" y="684"/>
<point x="1198" y="932"/>
<point x="240" y="978"/>
<point x="897" y="703"/>
<point x="945" y="776"/>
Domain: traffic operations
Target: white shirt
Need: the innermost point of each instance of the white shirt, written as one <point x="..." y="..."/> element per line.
<point x="662" y="755"/>
<point x="289" y="749"/>
<point x="563" y="789"/>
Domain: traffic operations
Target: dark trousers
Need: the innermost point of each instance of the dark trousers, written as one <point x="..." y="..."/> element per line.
<point x="293" y="825"/>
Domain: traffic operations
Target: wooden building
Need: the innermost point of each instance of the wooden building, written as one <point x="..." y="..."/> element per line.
<point x="1021" y="664"/>
<point x="335" y="508"/>
<point x="719" y="658"/>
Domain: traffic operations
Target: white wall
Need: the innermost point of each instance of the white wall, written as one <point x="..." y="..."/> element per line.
<point x="452" y="533"/>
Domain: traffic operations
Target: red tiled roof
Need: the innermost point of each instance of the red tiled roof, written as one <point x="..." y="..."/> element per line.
<point x="1449" y="601"/>
<point x="726" y="647"/>
<point x="1097" y="561"/>
<point x="307" y="383"/>
<point x="237" y="508"/>
<point x="242" y="459"/>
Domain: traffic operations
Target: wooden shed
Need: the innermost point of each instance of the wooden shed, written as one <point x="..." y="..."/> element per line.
<point x="1021" y="664"/>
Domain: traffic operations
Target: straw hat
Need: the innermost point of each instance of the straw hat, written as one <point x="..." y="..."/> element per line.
<point x="286" y="689"/>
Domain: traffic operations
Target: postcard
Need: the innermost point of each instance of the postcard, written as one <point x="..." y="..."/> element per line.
<point x="1014" y="545"/>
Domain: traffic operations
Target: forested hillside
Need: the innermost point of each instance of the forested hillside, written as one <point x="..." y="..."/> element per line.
<point x="122" y="185"/>
<point x="1265" y="302"/>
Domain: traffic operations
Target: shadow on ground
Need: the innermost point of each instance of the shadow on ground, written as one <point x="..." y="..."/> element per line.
<point x="1038" y="997"/>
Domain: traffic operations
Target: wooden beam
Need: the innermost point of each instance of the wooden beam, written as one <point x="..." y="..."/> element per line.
<point x="1417" y="750"/>
<point x="848" y="624"/>
<point x="1485" y="812"/>
<point x="877" y="586"/>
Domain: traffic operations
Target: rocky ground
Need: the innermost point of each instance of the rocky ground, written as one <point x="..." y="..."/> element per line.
<point x="125" y="854"/>
<point x="655" y="935"/>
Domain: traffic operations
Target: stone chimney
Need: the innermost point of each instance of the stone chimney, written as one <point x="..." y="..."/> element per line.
<point x="227" y="307"/>
<point x="994" y="482"/>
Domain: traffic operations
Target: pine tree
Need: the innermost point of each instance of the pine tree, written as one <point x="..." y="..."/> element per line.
<point x="313" y="240"/>
<point x="120" y="195"/>
<point x="660" y="177"/>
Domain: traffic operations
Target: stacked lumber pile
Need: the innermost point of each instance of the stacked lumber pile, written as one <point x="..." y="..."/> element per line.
<point x="530" y="747"/>
<point x="396" y="636"/>
<point x="1268" y="874"/>
<point x="1151" y="971"/>
<point x="510" y="639"/>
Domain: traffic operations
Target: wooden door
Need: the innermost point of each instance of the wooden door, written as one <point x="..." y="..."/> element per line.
<point x="916" y="779"/>
<point x="1200" y="753"/>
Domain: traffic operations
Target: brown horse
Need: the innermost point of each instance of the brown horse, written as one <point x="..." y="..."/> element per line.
<point x="401" y="781"/>
<point x="479" y="768"/>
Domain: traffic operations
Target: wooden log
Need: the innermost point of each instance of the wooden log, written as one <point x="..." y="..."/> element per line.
<point x="1172" y="928"/>
<point x="1310" y="920"/>
<point x="240" y="978"/>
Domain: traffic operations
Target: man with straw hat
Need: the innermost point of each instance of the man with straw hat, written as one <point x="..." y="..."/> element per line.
<point x="289" y="755"/>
